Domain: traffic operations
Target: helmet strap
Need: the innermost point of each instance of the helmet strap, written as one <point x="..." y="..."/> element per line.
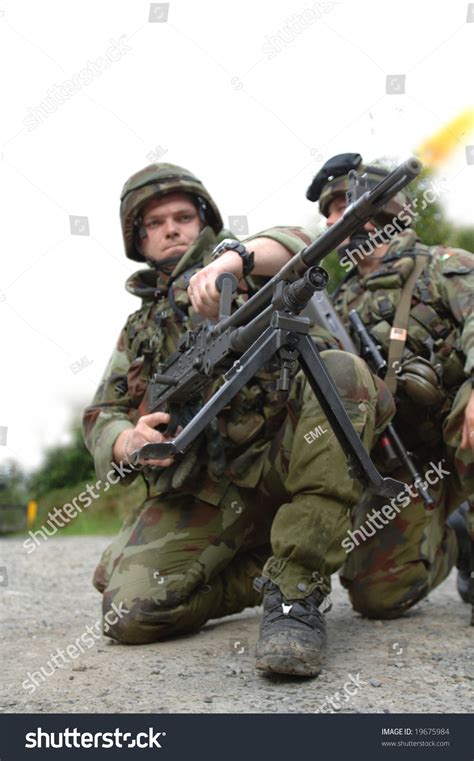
<point x="202" y="209"/>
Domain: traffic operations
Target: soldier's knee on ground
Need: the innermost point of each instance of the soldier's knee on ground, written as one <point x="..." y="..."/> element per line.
<point x="398" y="565"/>
<point x="148" y="620"/>
<point x="150" y="616"/>
<point x="389" y="597"/>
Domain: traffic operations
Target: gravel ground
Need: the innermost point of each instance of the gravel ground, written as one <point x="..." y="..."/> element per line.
<point x="421" y="663"/>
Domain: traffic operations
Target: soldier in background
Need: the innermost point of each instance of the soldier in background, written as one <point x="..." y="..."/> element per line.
<point x="430" y="371"/>
<point x="252" y="495"/>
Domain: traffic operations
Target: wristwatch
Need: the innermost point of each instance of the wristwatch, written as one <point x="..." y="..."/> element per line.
<point x="235" y="245"/>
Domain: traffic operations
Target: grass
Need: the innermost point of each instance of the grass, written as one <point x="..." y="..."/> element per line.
<point x="104" y="516"/>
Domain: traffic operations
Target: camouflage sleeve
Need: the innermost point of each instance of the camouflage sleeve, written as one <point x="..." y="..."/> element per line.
<point x="293" y="238"/>
<point x="456" y="283"/>
<point x="110" y="412"/>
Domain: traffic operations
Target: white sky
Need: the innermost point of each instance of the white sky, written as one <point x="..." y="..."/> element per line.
<point x="202" y="87"/>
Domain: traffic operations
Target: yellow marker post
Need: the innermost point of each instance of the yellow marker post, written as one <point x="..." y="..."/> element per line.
<point x="31" y="512"/>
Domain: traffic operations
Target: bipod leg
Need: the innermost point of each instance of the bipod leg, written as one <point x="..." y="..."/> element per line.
<point x="360" y="464"/>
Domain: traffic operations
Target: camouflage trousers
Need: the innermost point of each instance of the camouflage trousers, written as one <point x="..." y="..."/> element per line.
<point x="391" y="569"/>
<point x="182" y="559"/>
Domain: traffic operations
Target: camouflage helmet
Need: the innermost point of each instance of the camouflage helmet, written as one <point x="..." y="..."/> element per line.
<point x="332" y="181"/>
<point x="158" y="180"/>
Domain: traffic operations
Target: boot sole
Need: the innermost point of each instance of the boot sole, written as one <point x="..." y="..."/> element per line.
<point x="284" y="664"/>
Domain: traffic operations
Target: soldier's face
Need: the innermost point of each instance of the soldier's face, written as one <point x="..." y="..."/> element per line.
<point x="172" y="223"/>
<point x="336" y="209"/>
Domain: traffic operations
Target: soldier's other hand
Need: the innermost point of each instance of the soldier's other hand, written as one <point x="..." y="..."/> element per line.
<point x="202" y="289"/>
<point x="144" y="433"/>
<point x="467" y="441"/>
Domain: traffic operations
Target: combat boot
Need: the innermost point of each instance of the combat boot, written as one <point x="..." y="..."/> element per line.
<point x="458" y="522"/>
<point x="292" y="633"/>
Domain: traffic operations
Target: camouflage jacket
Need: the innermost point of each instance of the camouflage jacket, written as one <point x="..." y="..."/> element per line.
<point x="441" y="322"/>
<point x="234" y="447"/>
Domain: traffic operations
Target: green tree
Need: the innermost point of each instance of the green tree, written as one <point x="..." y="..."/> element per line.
<point x="431" y="224"/>
<point x="63" y="465"/>
<point x="13" y="484"/>
<point x="462" y="237"/>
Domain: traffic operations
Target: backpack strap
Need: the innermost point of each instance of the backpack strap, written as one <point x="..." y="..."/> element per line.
<point x="398" y="333"/>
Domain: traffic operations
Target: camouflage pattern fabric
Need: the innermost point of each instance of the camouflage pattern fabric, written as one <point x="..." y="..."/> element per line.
<point x="391" y="571"/>
<point x="156" y="181"/>
<point x="181" y="559"/>
<point x="340" y="185"/>
<point x="269" y="471"/>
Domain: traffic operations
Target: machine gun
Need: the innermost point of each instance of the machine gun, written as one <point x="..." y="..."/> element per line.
<point x="269" y="327"/>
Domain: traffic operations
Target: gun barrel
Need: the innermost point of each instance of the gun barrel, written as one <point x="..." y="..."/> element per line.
<point x="406" y="460"/>
<point x="396" y="180"/>
<point x="293" y="296"/>
<point x="357" y="214"/>
<point x="321" y="312"/>
<point x="368" y="346"/>
<point x="299" y="293"/>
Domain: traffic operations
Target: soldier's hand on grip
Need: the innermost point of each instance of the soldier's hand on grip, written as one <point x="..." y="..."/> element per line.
<point x="144" y="433"/>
